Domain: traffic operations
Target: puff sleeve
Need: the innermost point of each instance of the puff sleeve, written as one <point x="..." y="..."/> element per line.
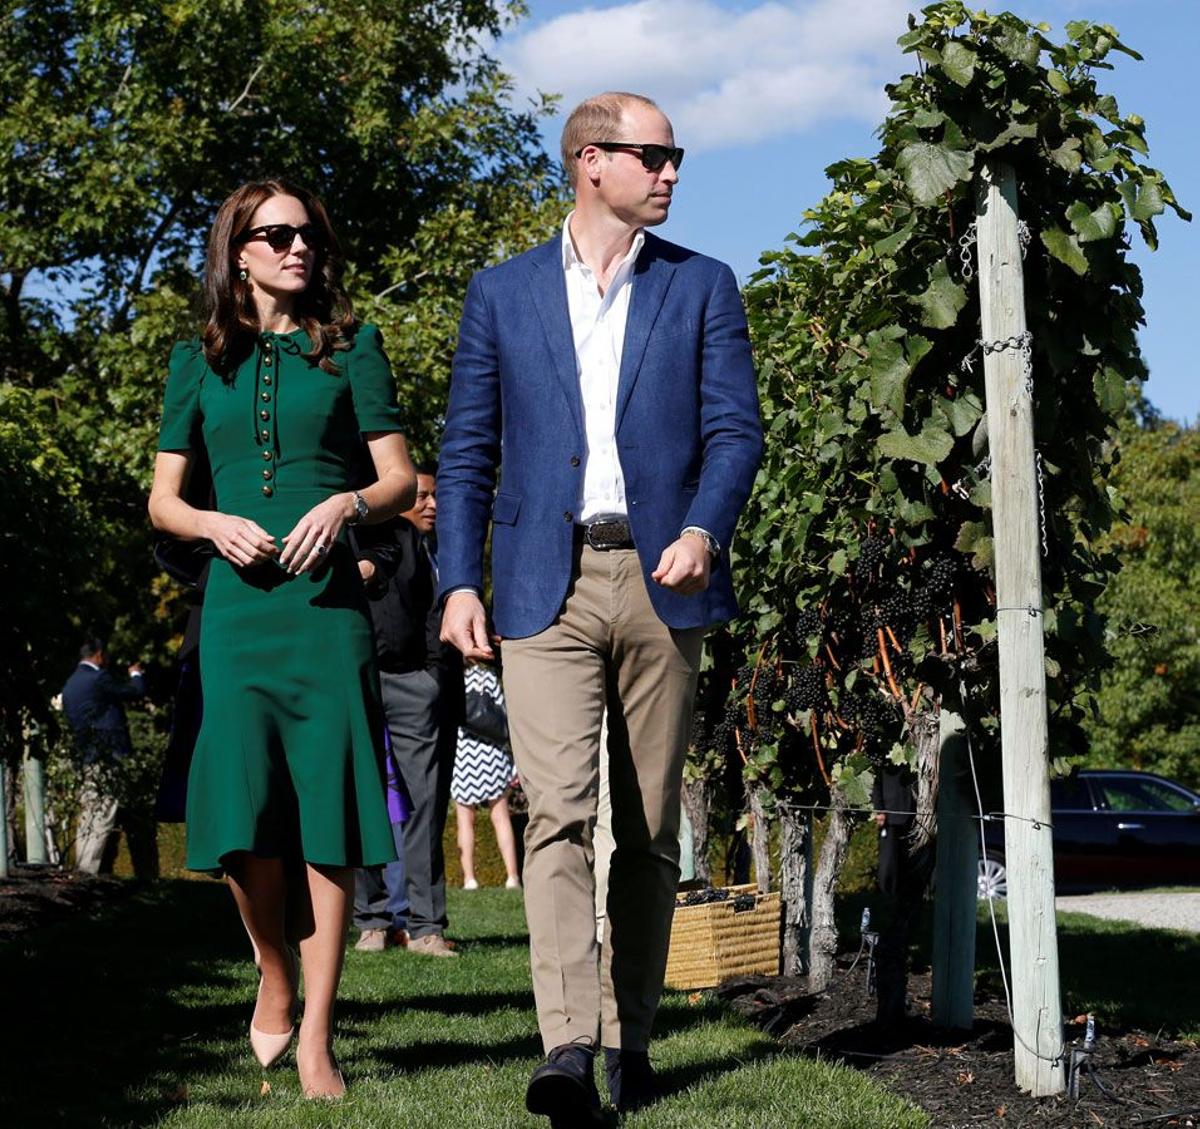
<point x="372" y="384"/>
<point x="181" y="417"/>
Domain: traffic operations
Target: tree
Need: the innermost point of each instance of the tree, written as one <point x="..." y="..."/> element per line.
<point x="1148" y="707"/>
<point x="122" y="127"/>
<point x="866" y="549"/>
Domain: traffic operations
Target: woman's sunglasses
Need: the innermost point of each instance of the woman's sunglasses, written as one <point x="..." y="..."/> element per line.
<point x="653" y="156"/>
<point x="281" y="236"/>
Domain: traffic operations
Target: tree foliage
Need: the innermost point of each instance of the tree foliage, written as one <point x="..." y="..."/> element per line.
<point x="866" y="550"/>
<point x="1148" y="713"/>
<point x="122" y="127"/>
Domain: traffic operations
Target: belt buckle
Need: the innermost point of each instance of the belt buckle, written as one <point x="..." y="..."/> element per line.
<point x="607" y="533"/>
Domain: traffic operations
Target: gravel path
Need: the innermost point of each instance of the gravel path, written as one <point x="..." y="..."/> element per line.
<point x="1159" y="911"/>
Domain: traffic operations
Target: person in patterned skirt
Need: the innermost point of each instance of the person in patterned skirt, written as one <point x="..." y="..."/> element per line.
<point x="483" y="773"/>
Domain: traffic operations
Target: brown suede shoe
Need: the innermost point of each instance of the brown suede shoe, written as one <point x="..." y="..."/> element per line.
<point x="431" y="945"/>
<point x="372" y="941"/>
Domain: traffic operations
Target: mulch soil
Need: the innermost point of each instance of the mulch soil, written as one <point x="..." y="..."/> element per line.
<point x="964" y="1080"/>
<point x="33" y="897"/>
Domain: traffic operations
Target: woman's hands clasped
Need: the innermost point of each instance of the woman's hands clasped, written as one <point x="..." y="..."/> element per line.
<point x="239" y="540"/>
<point x="305" y="547"/>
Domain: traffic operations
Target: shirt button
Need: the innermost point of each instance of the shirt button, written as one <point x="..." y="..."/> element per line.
<point x="264" y="415"/>
<point x="574" y="460"/>
<point x="267" y="491"/>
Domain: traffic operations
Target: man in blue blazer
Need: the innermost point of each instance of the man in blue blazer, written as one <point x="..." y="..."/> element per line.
<point x="607" y="375"/>
<point x="94" y="702"/>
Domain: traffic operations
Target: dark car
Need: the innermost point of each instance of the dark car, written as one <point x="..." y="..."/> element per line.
<point x="1112" y="828"/>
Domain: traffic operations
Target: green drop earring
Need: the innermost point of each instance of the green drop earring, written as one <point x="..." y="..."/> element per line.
<point x="243" y="275"/>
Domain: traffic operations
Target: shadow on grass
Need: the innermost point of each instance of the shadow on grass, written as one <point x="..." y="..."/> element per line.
<point x="98" y="1029"/>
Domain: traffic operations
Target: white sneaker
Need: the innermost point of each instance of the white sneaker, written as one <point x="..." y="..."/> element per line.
<point x="470" y="884"/>
<point x="512" y="884"/>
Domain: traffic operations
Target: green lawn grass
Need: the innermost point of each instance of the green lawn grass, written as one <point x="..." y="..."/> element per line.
<point x="139" y="1018"/>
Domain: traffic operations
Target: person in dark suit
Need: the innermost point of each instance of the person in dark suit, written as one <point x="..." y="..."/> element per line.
<point x="94" y="702"/>
<point x="895" y="804"/>
<point x="421" y="679"/>
<point x="607" y="375"/>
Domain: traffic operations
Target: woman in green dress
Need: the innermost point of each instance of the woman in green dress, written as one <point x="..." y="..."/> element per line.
<point x="280" y="392"/>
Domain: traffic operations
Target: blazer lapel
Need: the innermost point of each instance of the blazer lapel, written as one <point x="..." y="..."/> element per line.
<point x="651" y="280"/>
<point x="548" y="285"/>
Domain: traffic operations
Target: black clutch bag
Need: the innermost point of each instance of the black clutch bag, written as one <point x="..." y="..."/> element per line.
<point x="486" y="718"/>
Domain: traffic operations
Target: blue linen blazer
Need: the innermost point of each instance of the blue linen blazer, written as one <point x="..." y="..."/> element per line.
<point x="688" y="433"/>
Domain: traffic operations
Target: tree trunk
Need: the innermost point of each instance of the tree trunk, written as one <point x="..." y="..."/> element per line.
<point x="696" y="802"/>
<point x="796" y="883"/>
<point x="760" y="840"/>
<point x="829" y="864"/>
<point x="891" y="954"/>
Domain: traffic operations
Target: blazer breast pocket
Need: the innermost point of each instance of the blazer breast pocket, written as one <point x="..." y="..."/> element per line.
<point x="505" y="508"/>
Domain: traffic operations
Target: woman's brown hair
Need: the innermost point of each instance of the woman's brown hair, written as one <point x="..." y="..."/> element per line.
<point x="323" y="309"/>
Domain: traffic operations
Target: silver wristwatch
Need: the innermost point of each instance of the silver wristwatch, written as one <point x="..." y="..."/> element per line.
<point x="710" y="542"/>
<point x="361" y="509"/>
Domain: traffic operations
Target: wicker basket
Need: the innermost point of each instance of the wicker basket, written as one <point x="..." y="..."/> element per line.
<point x="713" y="942"/>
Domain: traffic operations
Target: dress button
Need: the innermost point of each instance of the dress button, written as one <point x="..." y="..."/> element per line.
<point x="266" y="378"/>
<point x="264" y="415"/>
<point x="267" y="472"/>
<point x="265" y="433"/>
<point x="267" y="491"/>
<point x="268" y="454"/>
<point x="266" y="397"/>
<point x="574" y="460"/>
<point x="267" y="359"/>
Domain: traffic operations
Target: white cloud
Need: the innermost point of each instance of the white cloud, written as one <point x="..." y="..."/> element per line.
<point x="725" y="75"/>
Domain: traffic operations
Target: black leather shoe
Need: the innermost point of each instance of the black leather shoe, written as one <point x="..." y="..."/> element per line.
<point x="632" y="1083"/>
<point x="563" y="1088"/>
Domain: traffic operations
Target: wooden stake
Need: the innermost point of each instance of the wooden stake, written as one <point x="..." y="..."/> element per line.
<point x="1029" y="859"/>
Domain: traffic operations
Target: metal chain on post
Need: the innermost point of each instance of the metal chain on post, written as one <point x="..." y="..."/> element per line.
<point x="967" y="240"/>
<point x="1041" y="489"/>
<point x="1024" y="343"/>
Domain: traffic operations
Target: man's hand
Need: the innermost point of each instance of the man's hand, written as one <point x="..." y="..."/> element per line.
<point x="464" y="624"/>
<point x="135" y="670"/>
<point x="880" y="819"/>
<point x="367" y="570"/>
<point x="684" y="566"/>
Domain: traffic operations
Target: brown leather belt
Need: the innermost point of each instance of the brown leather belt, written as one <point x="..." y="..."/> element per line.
<point x="607" y="533"/>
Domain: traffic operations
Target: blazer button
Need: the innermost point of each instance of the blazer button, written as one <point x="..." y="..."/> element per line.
<point x="267" y="491"/>
<point x="567" y="516"/>
<point x="574" y="460"/>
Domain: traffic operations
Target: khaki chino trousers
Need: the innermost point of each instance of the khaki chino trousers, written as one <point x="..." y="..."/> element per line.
<point x="607" y="649"/>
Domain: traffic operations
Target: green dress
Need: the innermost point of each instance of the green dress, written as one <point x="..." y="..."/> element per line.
<point x="290" y="750"/>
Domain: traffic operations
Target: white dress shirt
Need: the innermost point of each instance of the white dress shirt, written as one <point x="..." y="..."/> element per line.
<point x="598" y="328"/>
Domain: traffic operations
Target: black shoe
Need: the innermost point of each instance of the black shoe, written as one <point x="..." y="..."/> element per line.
<point x="632" y="1083"/>
<point x="563" y="1088"/>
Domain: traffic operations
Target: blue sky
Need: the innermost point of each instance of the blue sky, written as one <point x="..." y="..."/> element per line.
<point x="765" y="94"/>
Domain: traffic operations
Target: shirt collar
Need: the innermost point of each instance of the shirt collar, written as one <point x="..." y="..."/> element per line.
<point x="570" y="257"/>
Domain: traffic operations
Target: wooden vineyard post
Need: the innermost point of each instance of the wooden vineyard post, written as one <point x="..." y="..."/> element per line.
<point x="1029" y="856"/>
<point x="956" y="881"/>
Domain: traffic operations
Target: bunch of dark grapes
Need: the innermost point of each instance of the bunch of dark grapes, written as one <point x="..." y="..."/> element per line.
<point x="941" y="577"/>
<point x="922" y="604"/>
<point x="872" y="712"/>
<point x="808" y="624"/>
<point x="839" y="622"/>
<point x="871" y="553"/>
<point x="869" y="623"/>
<point x="898" y="611"/>
<point x="807" y="690"/>
<point x="744" y="675"/>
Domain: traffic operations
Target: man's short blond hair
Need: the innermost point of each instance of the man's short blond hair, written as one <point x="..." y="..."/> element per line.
<point x="597" y="119"/>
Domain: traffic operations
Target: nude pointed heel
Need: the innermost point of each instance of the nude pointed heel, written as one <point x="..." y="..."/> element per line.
<point x="269" y="1048"/>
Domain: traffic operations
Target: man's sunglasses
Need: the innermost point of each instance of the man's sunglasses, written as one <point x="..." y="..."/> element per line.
<point x="653" y="156"/>
<point x="281" y="236"/>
